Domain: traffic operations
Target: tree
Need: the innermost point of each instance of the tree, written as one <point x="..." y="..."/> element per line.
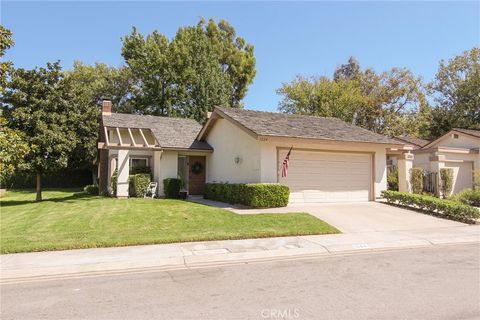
<point x="203" y="66"/>
<point x="86" y="87"/>
<point x="456" y="90"/>
<point x="236" y="58"/>
<point x="322" y="97"/>
<point x="391" y="103"/>
<point x="6" y="42"/>
<point x="348" y="71"/>
<point x="13" y="149"/>
<point x="37" y="103"/>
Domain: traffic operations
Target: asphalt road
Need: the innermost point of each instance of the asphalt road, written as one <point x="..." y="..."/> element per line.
<point x="441" y="282"/>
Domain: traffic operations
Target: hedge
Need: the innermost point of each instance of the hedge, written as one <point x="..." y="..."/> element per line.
<point x="91" y="189"/>
<point x="138" y="184"/>
<point x="435" y="206"/>
<point x="66" y="178"/>
<point x="254" y="195"/>
<point x="171" y="187"/>
<point x="468" y="196"/>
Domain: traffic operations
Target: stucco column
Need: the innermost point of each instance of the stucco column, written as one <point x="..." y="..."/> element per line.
<point x="123" y="172"/>
<point x="157" y="159"/>
<point x="405" y="163"/>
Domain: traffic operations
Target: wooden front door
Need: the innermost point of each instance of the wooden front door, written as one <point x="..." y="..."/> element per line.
<point x="196" y="174"/>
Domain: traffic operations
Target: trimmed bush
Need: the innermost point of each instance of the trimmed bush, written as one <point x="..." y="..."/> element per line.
<point x="416" y="180"/>
<point x="137" y="170"/>
<point x="171" y="187"/>
<point x="255" y="195"/>
<point x="468" y="196"/>
<point x="446" y="178"/>
<point x="91" y="189"/>
<point x="392" y="178"/>
<point x="438" y="207"/>
<point x="113" y="182"/>
<point x="138" y="184"/>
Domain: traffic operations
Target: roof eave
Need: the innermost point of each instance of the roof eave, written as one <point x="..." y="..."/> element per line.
<point x="277" y="137"/>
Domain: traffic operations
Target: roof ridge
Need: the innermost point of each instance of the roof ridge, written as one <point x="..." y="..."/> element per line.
<point x="280" y="113"/>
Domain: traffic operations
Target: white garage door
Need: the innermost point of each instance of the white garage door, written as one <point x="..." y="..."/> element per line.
<point x="462" y="175"/>
<point x="316" y="176"/>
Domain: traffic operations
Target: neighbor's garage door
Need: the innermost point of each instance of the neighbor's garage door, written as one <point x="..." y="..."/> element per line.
<point x="463" y="175"/>
<point x="317" y="176"/>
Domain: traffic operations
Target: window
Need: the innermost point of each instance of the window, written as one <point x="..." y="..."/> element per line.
<point x="455" y="136"/>
<point x="138" y="162"/>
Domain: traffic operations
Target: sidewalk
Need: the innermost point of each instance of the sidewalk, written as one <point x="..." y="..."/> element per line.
<point x="55" y="264"/>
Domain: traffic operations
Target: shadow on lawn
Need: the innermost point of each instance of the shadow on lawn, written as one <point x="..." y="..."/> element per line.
<point x="69" y="198"/>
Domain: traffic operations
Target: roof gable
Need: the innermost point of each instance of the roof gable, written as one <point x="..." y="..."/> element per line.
<point x="274" y="124"/>
<point x="465" y="134"/>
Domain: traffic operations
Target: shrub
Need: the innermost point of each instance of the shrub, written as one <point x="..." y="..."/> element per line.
<point x="138" y="184"/>
<point x="171" y="187"/>
<point x="476" y="179"/>
<point x="446" y="178"/>
<point x="416" y="180"/>
<point x="439" y="207"/>
<point x="137" y="170"/>
<point x="113" y="182"/>
<point x="256" y="195"/>
<point x="91" y="189"/>
<point x="468" y="196"/>
<point x="392" y="178"/>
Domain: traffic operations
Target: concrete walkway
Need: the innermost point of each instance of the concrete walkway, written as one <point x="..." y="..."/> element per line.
<point x="59" y="264"/>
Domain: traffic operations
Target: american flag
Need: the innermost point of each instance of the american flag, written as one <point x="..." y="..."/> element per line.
<point x="285" y="163"/>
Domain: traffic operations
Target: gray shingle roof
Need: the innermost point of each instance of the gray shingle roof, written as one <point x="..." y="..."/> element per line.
<point x="301" y="126"/>
<point x="177" y="133"/>
<point x="472" y="132"/>
<point x="416" y="142"/>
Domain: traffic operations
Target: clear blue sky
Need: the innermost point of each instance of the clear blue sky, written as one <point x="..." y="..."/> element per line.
<point x="308" y="38"/>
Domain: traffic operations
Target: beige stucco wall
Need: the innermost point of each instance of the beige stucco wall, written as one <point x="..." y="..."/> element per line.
<point x="163" y="164"/>
<point x="463" y="141"/>
<point x="229" y="141"/>
<point x="259" y="158"/>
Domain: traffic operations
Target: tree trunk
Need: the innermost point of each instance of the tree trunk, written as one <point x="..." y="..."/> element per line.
<point x="39" y="186"/>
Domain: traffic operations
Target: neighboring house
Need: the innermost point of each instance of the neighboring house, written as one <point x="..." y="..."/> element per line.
<point x="458" y="149"/>
<point x="415" y="143"/>
<point x="331" y="160"/>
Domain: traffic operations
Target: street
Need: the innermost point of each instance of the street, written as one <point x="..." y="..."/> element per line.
<point x="439" y="282"/>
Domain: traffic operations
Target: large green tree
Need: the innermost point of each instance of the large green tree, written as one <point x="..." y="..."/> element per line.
<point x="38" y="104"/>
<point x="6" y="42"/>
<point x="456" y="90"/>
<point x="86" y="86"/>
<point x="391" y="103"/>
<point x="203" y="66"/>
<point x="13" y="149"/>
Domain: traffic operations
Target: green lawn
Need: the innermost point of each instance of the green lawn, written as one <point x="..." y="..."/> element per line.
<point x="71" y="219"/>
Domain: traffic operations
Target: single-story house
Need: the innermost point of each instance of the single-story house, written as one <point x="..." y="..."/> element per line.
<point x="457" y="149"/>
<point x="331" y="160"/>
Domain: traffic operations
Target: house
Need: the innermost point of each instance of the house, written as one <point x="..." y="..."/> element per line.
<point x="457" y="149"/>
<point x="331" y="160"/>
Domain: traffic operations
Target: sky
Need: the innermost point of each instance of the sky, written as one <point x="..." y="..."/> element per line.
<point x="290" y="38"/>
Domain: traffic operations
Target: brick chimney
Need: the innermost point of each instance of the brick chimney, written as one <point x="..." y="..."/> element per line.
<point x="106" y="107"/>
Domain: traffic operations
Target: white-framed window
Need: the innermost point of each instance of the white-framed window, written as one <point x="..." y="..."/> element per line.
<point x="138" y="162"/>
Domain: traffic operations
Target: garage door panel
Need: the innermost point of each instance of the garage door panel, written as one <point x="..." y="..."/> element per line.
<point x="315" y="176"/>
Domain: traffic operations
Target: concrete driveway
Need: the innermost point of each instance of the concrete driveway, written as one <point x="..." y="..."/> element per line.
<point x="362" y="216"/>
